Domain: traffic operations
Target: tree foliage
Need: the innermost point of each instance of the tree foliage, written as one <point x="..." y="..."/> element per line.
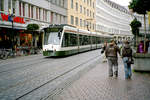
<point x="135" y="24"/>
<point x="32" y="27"/>
<point x="140" y="6"/>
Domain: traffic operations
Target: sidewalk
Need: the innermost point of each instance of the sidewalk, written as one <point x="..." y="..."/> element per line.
<point x="96" y="85"/>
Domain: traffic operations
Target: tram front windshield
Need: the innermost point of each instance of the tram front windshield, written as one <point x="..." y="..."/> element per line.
<point x="52" y="37"/>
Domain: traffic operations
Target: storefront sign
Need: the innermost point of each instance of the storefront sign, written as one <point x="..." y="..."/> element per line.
<point x="8" y="17"/>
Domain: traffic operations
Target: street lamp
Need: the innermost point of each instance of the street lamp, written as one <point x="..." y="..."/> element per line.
<point x="89" y="30"/>
<point x="12" y="32"/>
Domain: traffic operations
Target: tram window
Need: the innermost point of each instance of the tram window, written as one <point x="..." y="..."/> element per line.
<point x="69" y="39"/>
<point x="46" y="35"/>
<point x="94" y="40"/>
<point x="81" y="39"/>
<point x="53" y="38"/>
<point x="73" y="40"/>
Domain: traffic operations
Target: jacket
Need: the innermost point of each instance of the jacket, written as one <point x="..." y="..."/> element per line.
<point x="112" y="50"/>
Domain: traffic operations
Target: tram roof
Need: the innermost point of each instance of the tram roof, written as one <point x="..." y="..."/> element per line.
<point x="59" y="25"/>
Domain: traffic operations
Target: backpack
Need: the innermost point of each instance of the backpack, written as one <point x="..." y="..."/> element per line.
<point x="127" y="52"/>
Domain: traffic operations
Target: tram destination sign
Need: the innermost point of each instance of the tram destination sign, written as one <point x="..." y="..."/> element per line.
<point x="7" y="17"/>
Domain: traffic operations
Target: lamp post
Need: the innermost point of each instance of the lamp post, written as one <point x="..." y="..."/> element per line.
<point x="89" y="30"/>
<point x="12" y="32"/>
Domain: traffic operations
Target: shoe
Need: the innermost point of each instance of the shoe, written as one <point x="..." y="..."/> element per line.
<point x="116" y="76"/>
<point x="110" y="75"/>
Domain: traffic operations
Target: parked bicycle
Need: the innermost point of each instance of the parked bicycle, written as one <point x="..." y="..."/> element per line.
<point x="5" y="53"/>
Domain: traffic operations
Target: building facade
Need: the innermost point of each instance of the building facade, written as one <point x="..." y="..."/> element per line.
<point x="81" y="14"/>
<point x="113" y="19"/>
<point x="15" y="15"/>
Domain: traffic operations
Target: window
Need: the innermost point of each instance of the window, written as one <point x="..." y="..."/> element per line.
<point x="84" y="23"/>
<point x="63" y="3"/>
<point x="80" y="8"/>
<point x="93" y="15"/>
<point x="87" y="2"/>
<point x="37" y="13"/>
<point x="87" y="12"/>
<point x="13" y="6"/>
<point x="76" y="6"/>
<point x="69" y="39"/>
<point x="1" y="5"/>
<point x="80" y="22"/>
<point x="93" y="5"/>
<point x="45" y="15"/>
<point x="77" y="21"/>
<point x="72" y="20"/>
<point x="51" y="17"/>
<point x="9" y="4"/>
<point x="23" y="7"/>
<point x="72" y="4"/>
<point x="20" y="8"/>
<point x="84" y="11"/>
<point x="90" y="2"/>
<point x="90" y="13"/>
<point x="29" y="11"/>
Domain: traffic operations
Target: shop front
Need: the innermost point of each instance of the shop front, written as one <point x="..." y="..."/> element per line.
<point x="14" y="36"/>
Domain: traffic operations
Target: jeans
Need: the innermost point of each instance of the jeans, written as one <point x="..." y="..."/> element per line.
<point x="127" y="68"/>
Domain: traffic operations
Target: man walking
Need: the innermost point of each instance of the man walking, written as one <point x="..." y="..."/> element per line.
<point x="111" y="54"/>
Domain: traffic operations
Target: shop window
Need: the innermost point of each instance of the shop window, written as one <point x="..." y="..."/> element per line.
<point x="25" y="39"/>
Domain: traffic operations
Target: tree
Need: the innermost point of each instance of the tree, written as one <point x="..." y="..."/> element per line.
<point x="141" y="7"/>
<point x="32" y="27"/>
<point x="135" y="24"/>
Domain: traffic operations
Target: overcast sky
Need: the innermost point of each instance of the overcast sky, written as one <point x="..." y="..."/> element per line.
<point x="122" y="2"/>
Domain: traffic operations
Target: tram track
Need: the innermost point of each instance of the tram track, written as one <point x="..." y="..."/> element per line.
<point x="41" y="60"/>
<point x="27" y="81"/>
<point x="75" y="67"/>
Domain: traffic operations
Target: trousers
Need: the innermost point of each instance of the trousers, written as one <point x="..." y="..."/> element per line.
<point x="112" y="64"/>
<point x="127" y="68"/>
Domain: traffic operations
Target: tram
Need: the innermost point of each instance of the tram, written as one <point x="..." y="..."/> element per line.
<point x="63" y="40"/>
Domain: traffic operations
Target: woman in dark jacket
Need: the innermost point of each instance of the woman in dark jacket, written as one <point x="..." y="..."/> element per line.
<point x="127" y="54"/>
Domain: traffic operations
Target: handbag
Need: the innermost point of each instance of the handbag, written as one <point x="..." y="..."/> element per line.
<point x="130" y="60"/>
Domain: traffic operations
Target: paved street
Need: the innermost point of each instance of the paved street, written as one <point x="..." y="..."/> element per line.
<point x="96" y="85"/>
<point x="36" y="77"/>
<point x="77" y="77"/>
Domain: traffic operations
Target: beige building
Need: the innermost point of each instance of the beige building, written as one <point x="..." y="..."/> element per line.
<point x="81" y="14"/>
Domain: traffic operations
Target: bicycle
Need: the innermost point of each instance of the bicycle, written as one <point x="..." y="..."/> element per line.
<point x="5" y="53"/>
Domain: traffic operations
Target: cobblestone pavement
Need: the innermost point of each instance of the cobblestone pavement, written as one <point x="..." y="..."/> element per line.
<point x="36" y="77"/>
<point x="96" y="85"/>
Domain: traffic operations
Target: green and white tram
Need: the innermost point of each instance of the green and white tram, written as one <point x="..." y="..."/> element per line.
<point x="63" y="40"/>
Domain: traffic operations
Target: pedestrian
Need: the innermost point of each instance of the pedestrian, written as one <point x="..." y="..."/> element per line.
<point x="111" y="53"/>
<point x="141" y="47"/>
<point x="126" y="55"/>
<point x="103" y="50"/>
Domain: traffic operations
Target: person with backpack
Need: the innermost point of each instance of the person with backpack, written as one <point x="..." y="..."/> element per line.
<point x="127" y="56"/>
<point x="111" y="54"/>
